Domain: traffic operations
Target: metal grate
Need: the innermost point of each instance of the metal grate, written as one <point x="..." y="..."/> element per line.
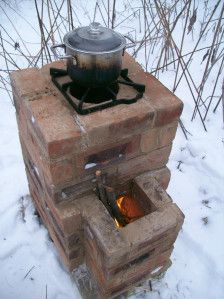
<point x="82" y="104"/>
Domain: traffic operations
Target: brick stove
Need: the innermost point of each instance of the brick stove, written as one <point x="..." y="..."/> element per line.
<point x="130" y="144"/>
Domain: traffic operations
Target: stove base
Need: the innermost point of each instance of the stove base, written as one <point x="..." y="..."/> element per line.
<point x="128" y="143"/>
<point x="117" y="258"/>
<point x="89" y="290"/>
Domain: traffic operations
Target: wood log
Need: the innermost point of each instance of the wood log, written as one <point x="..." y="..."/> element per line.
<point x="112" y="199"/>
<point x="102" y="191"/>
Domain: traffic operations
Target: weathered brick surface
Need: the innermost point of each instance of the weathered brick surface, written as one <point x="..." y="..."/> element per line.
<point x="161" y="175"/>
<point x="167" y="133"/>
<point x="158" y="137"/>
<point x="53" y="120"/>
<point x="63" y="132"/>
<point x="132" y="276"/>
<point x="62" y="171"/>
<point x="67" y="215"/>
<point x="147" y="187"/>
<point x="129" y="259"/>
<point x="150" y="161"/>
<point x="130" y="144"/>
<point x="28" y="83"/>
<point x="124" y="141"/>
<point x="57" y="215"/>
<point x="155" y="224"/>
<point x="107" y="248"/>
<point x="57" y="172"/>
<point x="167" y="106"/>
<point x="71" y="257"/>
<point x="151" y="238"/>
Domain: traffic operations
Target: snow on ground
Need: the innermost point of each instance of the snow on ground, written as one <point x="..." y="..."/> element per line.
<point x="29" y="263"/>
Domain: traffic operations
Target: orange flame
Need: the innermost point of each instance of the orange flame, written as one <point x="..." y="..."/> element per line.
<point x="130" y="209"/>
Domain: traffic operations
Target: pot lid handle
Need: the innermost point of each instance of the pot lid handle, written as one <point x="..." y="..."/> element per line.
<point x="94" y="28"/>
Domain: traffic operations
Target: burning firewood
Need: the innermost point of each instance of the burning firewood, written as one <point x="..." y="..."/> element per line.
<point x="101" y="191"/>
<point x="112" y="199"/>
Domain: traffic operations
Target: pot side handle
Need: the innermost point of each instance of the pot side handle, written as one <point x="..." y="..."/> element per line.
<point x="53" y="49"/>
<point x="133" y="43"/>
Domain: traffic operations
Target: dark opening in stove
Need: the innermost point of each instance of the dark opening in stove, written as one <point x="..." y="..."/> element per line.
<point x="95" y="95"/>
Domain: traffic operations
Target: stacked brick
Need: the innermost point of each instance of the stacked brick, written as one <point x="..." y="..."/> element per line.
<point x="62" y="150"/>
<point x="120" y="258"/>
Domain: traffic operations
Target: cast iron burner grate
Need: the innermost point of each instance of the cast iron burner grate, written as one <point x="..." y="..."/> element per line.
<point x="86" y="99"/>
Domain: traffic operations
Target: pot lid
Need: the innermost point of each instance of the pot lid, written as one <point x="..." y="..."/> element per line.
<point x="94" y="38"/>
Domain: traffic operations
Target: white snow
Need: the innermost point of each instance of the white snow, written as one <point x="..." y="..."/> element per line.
<point x="63" y="194"/>
<point x="33" y="119"/>
<point x="156" y="270"/>
<point x="197" y="186"/>
<point x="90" y="165"/>
<point x="36" y="170"/>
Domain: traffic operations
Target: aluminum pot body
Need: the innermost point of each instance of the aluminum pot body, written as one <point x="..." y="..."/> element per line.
<point x="93" y="69"/>
<point x="94" y="54"/>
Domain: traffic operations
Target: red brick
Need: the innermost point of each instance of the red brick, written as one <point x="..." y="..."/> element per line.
<point x="71" y="258"/>
<point x="151" y="161"/>
<point x="55" y="125"/>
<point x="28" y="83"/>
<point x="167" y="133"/>
<point x="107" y="156"/>
<point x="67" y="215"/>
<point x="149" y="188"/>
<point x="54" y="172"/>
<point x="158" y="137"/>
<point x="131" y="64"/>
<point x="150" y="140"/>
<point x="161" y="175"/>
<point x="115" y="123"/>
<point x="154" y="224"/>
<point x="60" y="133"/>
<point x="133" y="275"/>
<point x="125" y="141"/>
<point x="61" y="171"/>
<point x="167" y="106"/>
<point x="71" y="190"/>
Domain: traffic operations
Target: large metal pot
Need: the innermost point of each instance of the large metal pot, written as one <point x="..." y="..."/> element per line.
<point x="94" y="54"/>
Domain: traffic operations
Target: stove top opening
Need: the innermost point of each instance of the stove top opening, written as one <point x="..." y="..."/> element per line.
<point x="125" y="204"/>
<point x="95" y="95"/>
<point x="86" y="100"/>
